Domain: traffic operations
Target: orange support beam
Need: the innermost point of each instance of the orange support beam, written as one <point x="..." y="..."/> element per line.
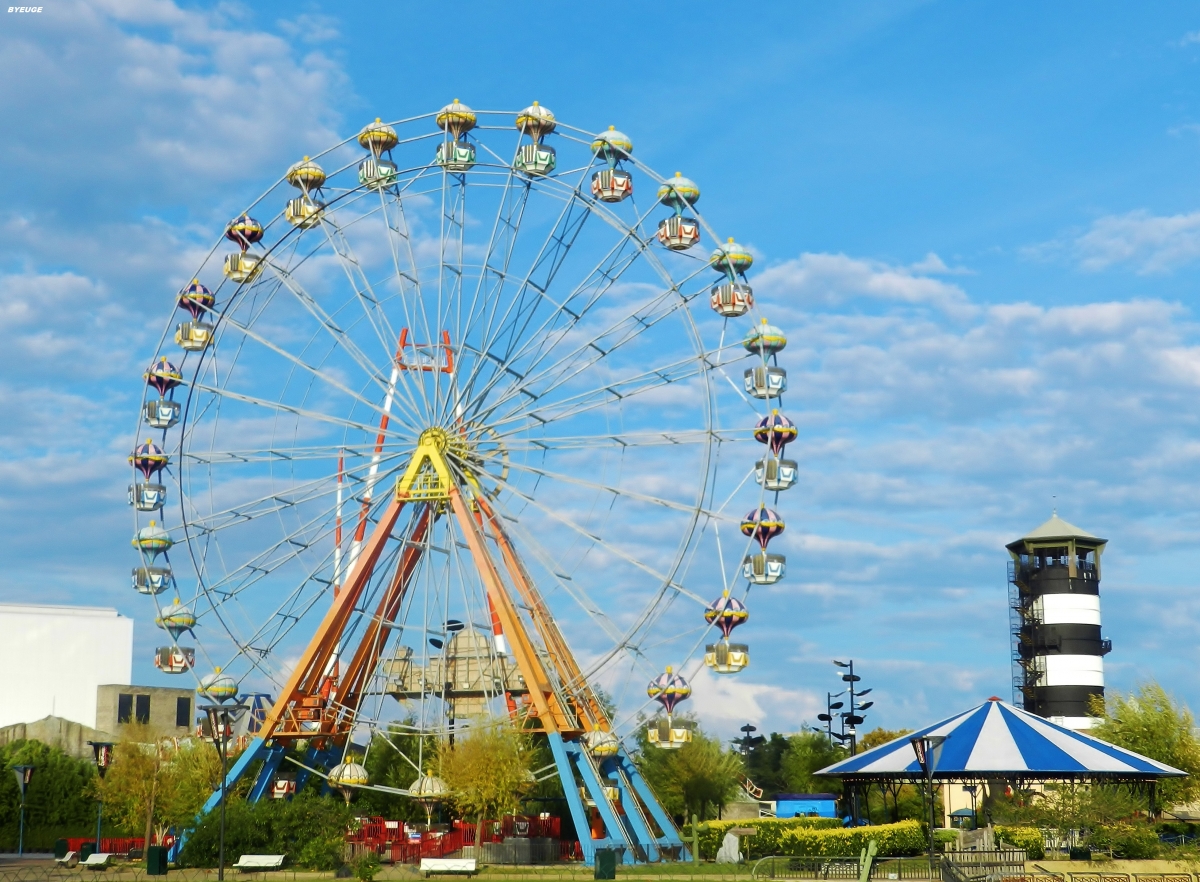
<point x="376" y="634"/>
<point x="305" y="679"/>
<point x="552" y="714"/>
<point x="587" y="706"/>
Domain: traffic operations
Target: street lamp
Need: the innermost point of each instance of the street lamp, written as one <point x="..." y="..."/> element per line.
<point x="24" y="776"/>
<point x="219" y="716"/>
<point x="851" y="719"/>
<point x="926" y="748"/>
<point x="103" y="751"/>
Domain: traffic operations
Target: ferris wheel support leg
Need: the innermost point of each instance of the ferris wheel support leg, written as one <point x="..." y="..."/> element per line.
<point x="617" y="833"/>
<point x="611" y="769"/>
<point x="566" y="774"/>
<point x="266" y="775"/>
<point x="670" y="838"/>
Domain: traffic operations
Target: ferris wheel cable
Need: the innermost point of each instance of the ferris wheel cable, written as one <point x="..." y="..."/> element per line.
<point x="625" y="556"/>
<point x="601" y="441"/>
<point x="593" y="352"/>
<point x="579" y="403"/>
<point x="336" y="332"/>
<point x="618" y="491"/>
<point x="628" y="233"/>
<point x="562" y="242"/>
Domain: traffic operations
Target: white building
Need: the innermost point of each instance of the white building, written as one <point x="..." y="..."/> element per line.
<point x="54" y="657"/>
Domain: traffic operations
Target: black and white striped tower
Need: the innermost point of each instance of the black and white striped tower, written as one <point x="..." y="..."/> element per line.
<point x="1054" y="594"/>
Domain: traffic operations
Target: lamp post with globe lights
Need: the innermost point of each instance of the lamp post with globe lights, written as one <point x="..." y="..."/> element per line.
<point x="103" y="753"/>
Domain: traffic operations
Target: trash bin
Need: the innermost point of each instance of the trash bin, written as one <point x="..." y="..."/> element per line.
<point x="61" y="847"/>
<point x="606" y="863"/>
<point x="156" y="860"/>
<point x="87" y="850"/>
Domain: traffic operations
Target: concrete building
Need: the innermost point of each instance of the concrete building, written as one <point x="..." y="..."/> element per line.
<point x="54" y="658"/>
<point x="70" y="737"/>
<point x="166" y="710"/>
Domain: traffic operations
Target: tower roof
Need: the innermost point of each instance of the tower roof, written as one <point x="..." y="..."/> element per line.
<point x="1056" y="528"/>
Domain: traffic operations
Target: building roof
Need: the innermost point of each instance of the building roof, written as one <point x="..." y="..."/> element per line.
<point x="1056" y="528"/>
<point x="998" y="740"/>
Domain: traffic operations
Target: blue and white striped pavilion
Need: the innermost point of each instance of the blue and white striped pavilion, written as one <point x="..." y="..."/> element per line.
<point x="997" y="740"/>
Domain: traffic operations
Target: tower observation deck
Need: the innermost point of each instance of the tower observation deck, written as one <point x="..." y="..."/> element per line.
<point x="1054" y="597"/>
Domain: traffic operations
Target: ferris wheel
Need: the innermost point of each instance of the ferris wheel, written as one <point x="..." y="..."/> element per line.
<point x="457" y="433"/>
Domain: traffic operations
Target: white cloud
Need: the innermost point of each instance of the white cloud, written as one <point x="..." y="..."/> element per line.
<point x="1148" y="243"/>
<point x="833" y="279"/>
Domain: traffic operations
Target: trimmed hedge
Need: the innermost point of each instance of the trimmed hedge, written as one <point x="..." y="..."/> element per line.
<point x="1028" y="838"/>
<point x="812" y="837"/>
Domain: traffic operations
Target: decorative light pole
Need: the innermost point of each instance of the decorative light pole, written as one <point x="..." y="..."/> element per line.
<point x="24" y="776"/>
<point x="827" y="717"/>
<point x="219" y="717"/>
<point x="103" y="751"/>
<point x="926" y="748"/>
<point x="851" y="719"/>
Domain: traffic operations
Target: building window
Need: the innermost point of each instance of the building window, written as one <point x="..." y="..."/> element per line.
<point x="124" y="708"/>
<point x="143" y="708"/>
<point x="183" y="711"/>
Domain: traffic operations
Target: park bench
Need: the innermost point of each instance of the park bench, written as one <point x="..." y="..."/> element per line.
<point x="98" y="861"/>
<point x="249" y="863"/>
<point x="449" y="866"/>
<point x="70" y="860"/>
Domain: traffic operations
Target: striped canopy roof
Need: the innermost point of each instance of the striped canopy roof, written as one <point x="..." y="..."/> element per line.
<point x="998" y="740"/>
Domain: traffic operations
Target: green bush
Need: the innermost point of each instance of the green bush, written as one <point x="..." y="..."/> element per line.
<point x="811" y="837"/>
<point x="1129" y="841"/>
<point x="309" y="830"/>
<point x="1028" y="838"/>
<point x="366" y="866"/>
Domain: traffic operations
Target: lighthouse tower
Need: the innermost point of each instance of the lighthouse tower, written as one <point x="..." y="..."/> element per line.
<point x="1054" y="593"/>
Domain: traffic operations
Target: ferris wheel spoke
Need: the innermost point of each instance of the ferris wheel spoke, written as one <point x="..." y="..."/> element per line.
<point x="341" y="338"/>
<point x="689" y="508"/>
<point x="658" y="576"/>
<point x="281" y="407"/>
<point x="620" y="391"/>
<point x="544" y="267"/>
<point x="591" y="352"/>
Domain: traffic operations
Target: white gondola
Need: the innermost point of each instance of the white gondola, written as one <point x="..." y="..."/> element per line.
<point x="731" y="299"/>
<point x="764" y="568"/>
<point x="283" y="788"/>
<point x="242" y="267"/>
<point x="601" y="744"/>
<point x="161" y="413"/>
<point x="459" y="156"/>
<point x="174" y="659"/>
<point x="152" y="580"/>
<point x="767" y="381"/>
<point x="726" y="658"/>
<point x="303" y="212"/>
<point x="147" y="497"/>
<point x="193" y="336"/>
<point x="377" y="174"/>
<point x="679" y="233"/>
<point x="612" y="185"/>
<point x="775" y="474"/>
<point x="535" y="160"/>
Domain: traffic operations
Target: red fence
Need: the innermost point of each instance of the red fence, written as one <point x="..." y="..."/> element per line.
<point x="430" y="845"/>
<point x="107" y="845"/>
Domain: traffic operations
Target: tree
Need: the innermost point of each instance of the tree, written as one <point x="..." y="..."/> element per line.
<point x="1067" y="807"/>
<point x="57" y="802"/>
<point x="155" y="783"/>
<point x="806" y="753"/>
<point x="1151" y="723"/>
<point x="391" y="760"/>
<point x="691" y="779"/>
<point x="486" y="772"/>
<point x="764" y="764"/>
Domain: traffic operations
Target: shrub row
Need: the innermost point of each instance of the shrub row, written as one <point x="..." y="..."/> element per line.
<point x="1028" y="838"/>
<point x="812" y="837"/>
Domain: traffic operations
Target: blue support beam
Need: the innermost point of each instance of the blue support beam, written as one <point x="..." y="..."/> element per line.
<point x="612" y="824"/>
<point x="670" y="837"/>
<point x="611" y="769"/>
<point x="255" y="751"/>
<point x="566" y="775"/>
<point x="266" y="775"/>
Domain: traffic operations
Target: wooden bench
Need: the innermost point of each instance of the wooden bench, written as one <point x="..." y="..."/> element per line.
<point x="70" y="860"/>
<point x="249" y="863"/>
<point x="449" y="866"/>
<point x="98" y="861"/>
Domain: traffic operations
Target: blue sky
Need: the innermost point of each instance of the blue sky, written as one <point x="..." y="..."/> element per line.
<point x="979" y="226"/>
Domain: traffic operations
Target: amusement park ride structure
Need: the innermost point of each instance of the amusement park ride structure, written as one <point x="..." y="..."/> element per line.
<point x="464" y="444"/>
